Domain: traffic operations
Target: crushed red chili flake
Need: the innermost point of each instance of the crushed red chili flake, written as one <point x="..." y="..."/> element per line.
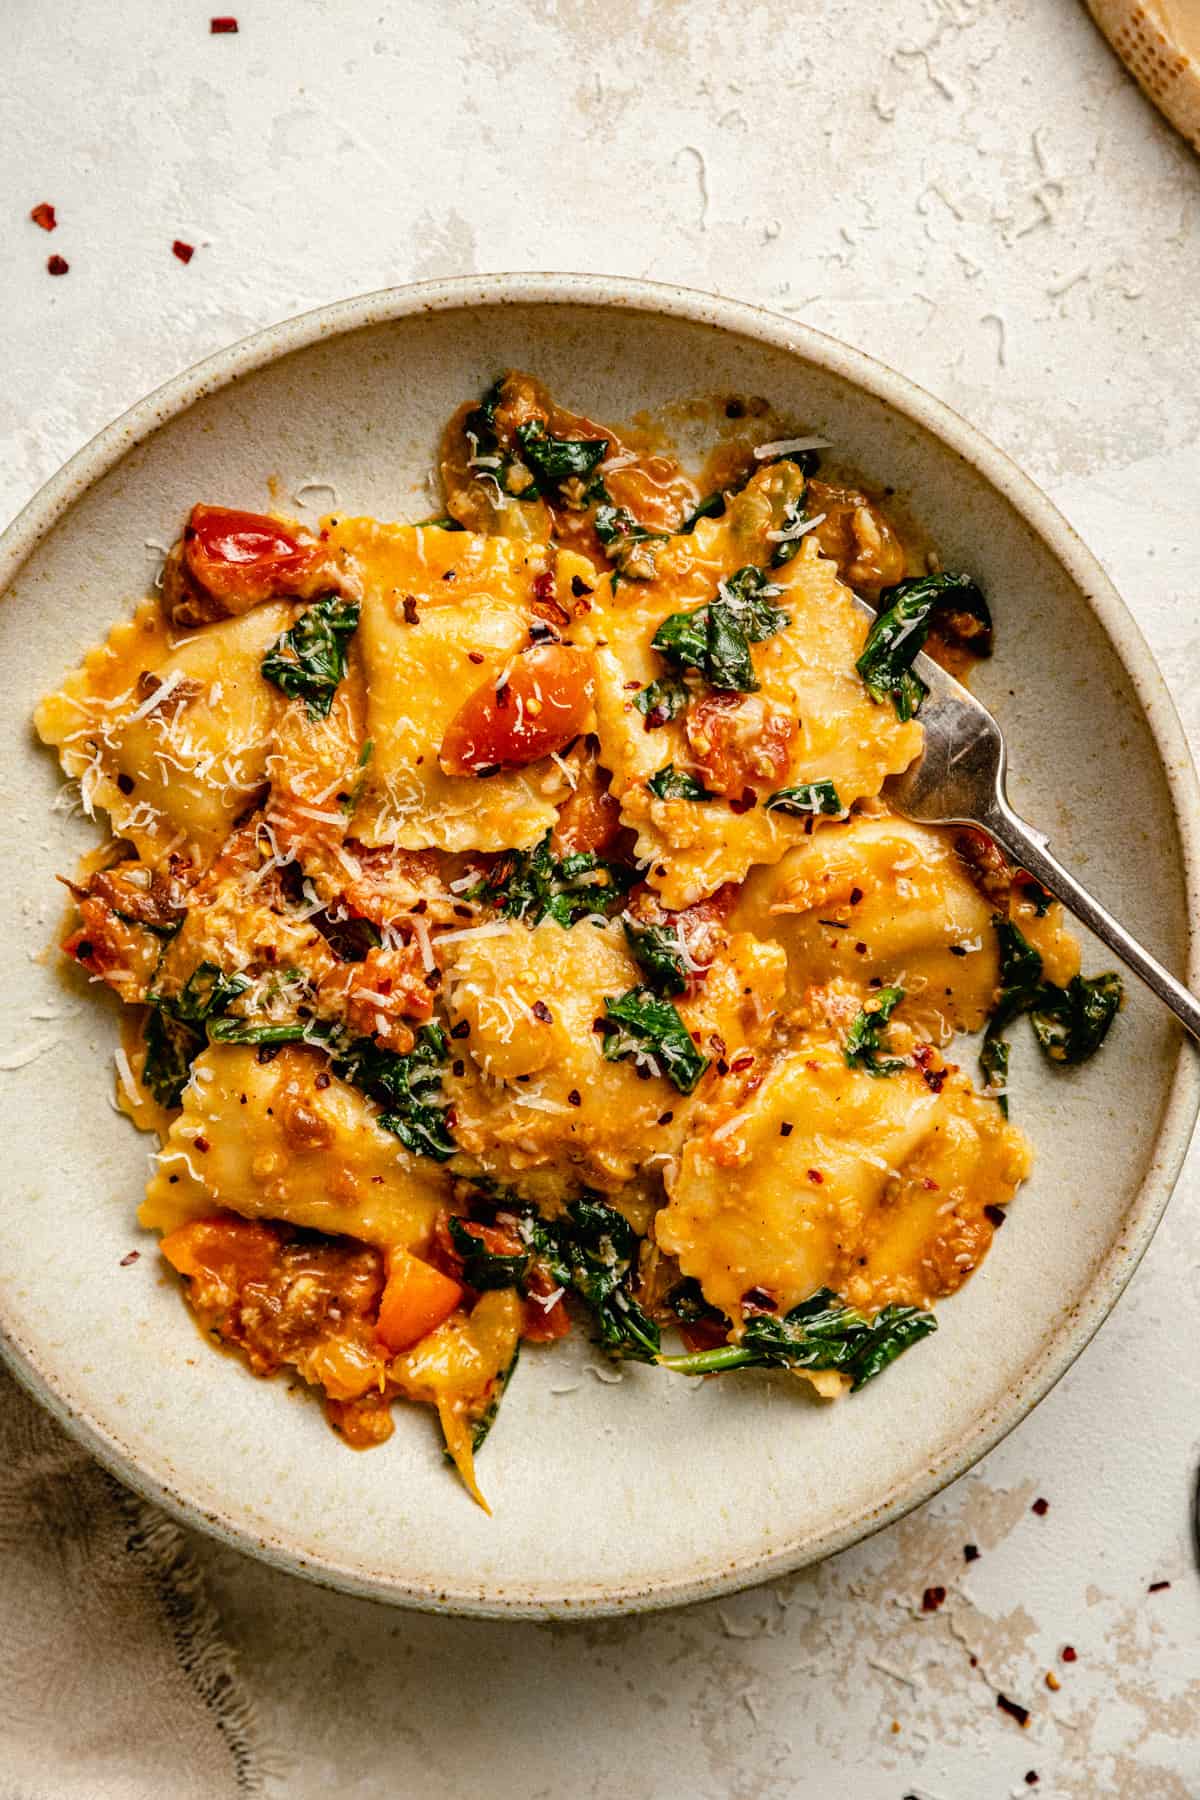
<point x="934" y="1079"/>
<point x="1070" y="1653"/>
<point x="132" y="1257"/>
<point x="542" y="1013"/>
<point x="816" y="1177"/>
<point x="1156" y="1587"/>
<point x="995" y="1216"/>
<point x="932" y="1598"/>
<point x="579" y="587"/>
<point x="970" y="1552"/>
<point x="125" y="783"/>
<point x="1040" y="1507"/>
<point x="1014" y="1709"/>
<point x="574" y="1098"/>
<point x="322" y="1081"/>
<point x="43" y="214"/>
<point x="225" y="26"/>
<point x="786" y="1129"/>
<point x="665" y="1118"/>
<point x="201" y="1143"/>
<point x="409" y="608"/>
<point x="57" y="265"/>
<point x="855" y="896"/>
<point x="1031" y="1778"/>
<point x="461" y="1030"/>
<point x="184" y="252"/>
<point x="474" y="656"/>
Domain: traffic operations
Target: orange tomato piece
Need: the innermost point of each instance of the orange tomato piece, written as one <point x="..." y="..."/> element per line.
<point x="416" y="1300"/>
<point x="540" y="703"/>
<point x="740" y="741"/>
<point x="234" y="1251"/>
<point x="243" y="558"/>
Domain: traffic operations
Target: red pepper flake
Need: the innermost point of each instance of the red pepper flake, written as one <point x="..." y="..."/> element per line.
<point x="474" y="656"/>
<point x="184" y="252"/>
<point x="665" y="1118"/>
<point x="1156" y="1587"/>
<point x="461" y="1030"/>
<point x="542" y="1013"/>
<point x="934" y="1079"/>
<point x="125" y="783"/>
<point x="855" y="896"/>
<point x="1070" y="1653"/>
<point x="1031" y="1778"/>
<point x="1040" y="1507"/>
<point x="932" y="1598"/>
<point x="201" y="1143"/>
<point x="580" y="588"/>
<point x="970" y="1552"/>
<point x="128" y="1261"/>
<point x="995" y="1216"/>
<point x="411" y="615"/>
<point x="57" y="265"/>
<point x="323" y="1080"/>
<point x="816" y="1177"/>
<point x="43" y="215"/>
<point x="786" y="1129"/>
<point x="1014" y="1709"/>
<point x="225" y="26"/>
<point x="574" y="1098"/>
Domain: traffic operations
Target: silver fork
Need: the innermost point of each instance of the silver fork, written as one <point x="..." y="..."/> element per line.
<point x="960" y="780"/>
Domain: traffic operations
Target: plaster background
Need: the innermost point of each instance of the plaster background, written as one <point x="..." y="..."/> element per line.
<point x="972" y="190"/>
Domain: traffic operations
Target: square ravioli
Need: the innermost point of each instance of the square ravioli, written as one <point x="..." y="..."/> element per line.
<point x="443" y="612"/>
<point x="170" y="732"/>
<point x="806" y="720"/>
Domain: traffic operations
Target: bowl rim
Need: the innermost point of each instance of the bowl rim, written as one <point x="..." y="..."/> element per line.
<point x="739" y="318"/>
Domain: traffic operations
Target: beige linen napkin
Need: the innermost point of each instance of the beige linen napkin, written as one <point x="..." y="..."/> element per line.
<point x="114" y="1681"/>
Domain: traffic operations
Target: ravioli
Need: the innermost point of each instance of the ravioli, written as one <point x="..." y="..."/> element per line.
<point x="285" y="1140"/>
<point x="531" y="1088"/>
<point x="442" y="613"/>
<point x="170" y="735"/>
<point x="828" y="1177"/>
<point x="806" y="671"/>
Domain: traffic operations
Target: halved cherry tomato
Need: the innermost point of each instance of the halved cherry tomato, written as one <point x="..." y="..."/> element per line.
<point x="243" y="558"/>
<point x="740" y="741"/>
<point x="588" y="819"/>
<point x="544" y="1324"/>
<point x="415" y="1301"/>
<point x="540" y="702"/>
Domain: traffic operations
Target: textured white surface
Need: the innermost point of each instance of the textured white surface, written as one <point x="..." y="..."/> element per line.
<point x="976" y="193"/>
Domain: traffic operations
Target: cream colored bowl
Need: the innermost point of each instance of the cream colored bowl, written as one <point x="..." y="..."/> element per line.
<point x="608" y="1495"/>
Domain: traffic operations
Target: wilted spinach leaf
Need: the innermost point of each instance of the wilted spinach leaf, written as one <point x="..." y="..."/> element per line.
<point x="535" y="884"/>
<point x="640" y="1025"/>
<point x="821" y="1333"/>
<point x="865" y="1043"/>
<point x="308" y="661"/>
<point x="905" y="618"/>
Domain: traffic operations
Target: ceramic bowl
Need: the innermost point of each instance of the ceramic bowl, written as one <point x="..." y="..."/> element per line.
<point x="609" y="1493"/>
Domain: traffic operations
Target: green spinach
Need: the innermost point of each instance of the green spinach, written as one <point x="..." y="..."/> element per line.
<point x="905" y="618"/>
<point x="640" y="1025"/>
<point x="715" y="638"/>
<point x="806" y="799"/>
<point x="308" y="661"/>
<point x="677" y="784"/>
<point x="659" y="954"/>
<point x="821" y="1333"/>
<point x="535" y="884"/>
<point x="865" y="1043"/>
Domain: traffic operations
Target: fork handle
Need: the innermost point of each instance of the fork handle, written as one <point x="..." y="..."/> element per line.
<point x="1027" y="848"/>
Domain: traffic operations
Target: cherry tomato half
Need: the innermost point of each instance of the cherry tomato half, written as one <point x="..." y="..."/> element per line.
<point x="243" y="558"/>
<point x="540" y="703"/>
